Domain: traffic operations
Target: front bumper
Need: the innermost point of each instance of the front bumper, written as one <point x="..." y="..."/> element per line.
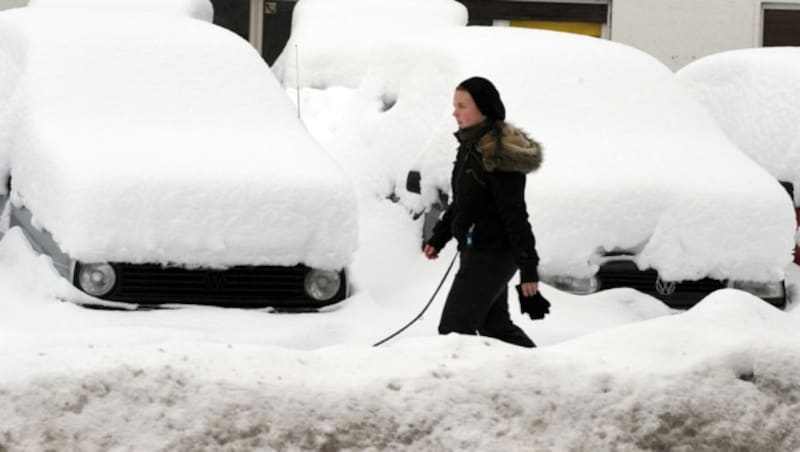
<point x="278" y="287"/>
<point x="684" y="294"/>
<point x="241" y="287"/>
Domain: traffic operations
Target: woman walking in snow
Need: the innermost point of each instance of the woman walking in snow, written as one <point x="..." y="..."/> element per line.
<point x="488" y="217"/>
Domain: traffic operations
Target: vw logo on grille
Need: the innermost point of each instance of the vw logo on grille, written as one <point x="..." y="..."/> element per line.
<point x="214" y="280"/>
<point x="665" y="287"/>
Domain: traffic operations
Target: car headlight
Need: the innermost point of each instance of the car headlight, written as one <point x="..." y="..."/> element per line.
<point x="97" y="279"/>
<point x="322" y="285"/>
<point x="771" y="289"/>
<point x="579" y="286"/>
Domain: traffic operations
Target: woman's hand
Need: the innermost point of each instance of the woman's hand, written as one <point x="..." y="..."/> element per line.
<point x="529" y="289"/>
<point x="430" y="252"/>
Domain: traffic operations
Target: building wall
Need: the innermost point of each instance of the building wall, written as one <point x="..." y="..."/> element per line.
<point x="675" y="31"/>
<point x="680" y="31"/>
<point x="6" y="4"/>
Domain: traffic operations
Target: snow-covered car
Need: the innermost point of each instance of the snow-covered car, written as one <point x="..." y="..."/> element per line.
<point x="639" y="186"/>
<point x="157" y="160"/>
<point x="754" y="94"/>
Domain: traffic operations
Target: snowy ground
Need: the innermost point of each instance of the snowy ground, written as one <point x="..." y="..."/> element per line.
<point x="721" y="377"/>
<point x="615" y="370"/>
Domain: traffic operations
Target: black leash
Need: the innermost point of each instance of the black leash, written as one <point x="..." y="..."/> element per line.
<point x="435" y="292"/>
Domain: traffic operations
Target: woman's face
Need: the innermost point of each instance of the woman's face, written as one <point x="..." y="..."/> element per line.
<point x="465" y="111"/>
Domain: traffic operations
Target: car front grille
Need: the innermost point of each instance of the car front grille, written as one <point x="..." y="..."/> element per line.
<point x="243" y="286"/>
<point x="618" y="274"/>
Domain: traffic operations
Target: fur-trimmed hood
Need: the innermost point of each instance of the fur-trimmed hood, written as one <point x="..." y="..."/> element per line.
<point x="516" y="151"/>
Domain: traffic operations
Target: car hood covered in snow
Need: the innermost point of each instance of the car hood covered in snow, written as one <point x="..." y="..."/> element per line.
<point x="142" y="138"/>
<point x="632" y="163"/>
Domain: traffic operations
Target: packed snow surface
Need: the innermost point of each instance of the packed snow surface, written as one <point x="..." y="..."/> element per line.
<point x="632" y="162"/>
<point x="168" y="140"/>
<point x="332" y="40"/>
<point x="198" y="9"/>
<point x="753" y="94"/>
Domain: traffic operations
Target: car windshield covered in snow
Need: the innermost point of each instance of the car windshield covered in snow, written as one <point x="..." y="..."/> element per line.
<point x="157" y="159"/>
<point x="639" y="186"/>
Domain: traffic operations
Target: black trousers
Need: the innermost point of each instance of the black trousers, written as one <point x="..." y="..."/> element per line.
<point x="478" y="300"/>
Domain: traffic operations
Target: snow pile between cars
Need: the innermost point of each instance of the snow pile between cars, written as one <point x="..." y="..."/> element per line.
<point x="753" y="94"/>
<point x="168" y="141"/>
<point x="722" y="376"/>
<point x="199" y="9"/>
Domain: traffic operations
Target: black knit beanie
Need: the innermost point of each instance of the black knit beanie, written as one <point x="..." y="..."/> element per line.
<point x="486" y="97"/>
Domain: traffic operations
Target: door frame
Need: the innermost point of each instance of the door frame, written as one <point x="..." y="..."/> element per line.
<point x="256" y="31"/>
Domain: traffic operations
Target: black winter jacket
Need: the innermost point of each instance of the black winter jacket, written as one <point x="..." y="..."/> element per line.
<point x="488" y="184"/>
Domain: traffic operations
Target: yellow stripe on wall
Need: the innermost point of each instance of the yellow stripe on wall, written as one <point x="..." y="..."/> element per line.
<point x="581" y="28"/>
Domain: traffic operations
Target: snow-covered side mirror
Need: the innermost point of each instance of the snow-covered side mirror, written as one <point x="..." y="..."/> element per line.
<point x="432" y="212"/>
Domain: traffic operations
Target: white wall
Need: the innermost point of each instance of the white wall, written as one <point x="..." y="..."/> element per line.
<point x="680" y="31"/>
<point x="6" y="4"/>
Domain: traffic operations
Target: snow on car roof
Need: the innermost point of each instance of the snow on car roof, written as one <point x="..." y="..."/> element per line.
<point x="333" y="39"/>
<point x="199" y="9"/>
<point x="631" y="161"/>
<point x="160" y="139"/>
<point x="753" y="94"/>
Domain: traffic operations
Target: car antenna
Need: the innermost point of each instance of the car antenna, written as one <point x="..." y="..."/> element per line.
<point x="297" y="79"/>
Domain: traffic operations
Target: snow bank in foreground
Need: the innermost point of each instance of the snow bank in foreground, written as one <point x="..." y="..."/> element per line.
<point x="723" y="376"/>
<point x="168" y="140"/>
<point x="632" y="162"/>
<point x="199" y="9"/>
<point x="753" y="94"/>
<point x="335" y="39"/>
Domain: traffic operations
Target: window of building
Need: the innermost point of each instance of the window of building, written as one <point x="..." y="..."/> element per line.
<point x="266" y="24"/>
<point x="587" y="18"/>
<point x="781" y="24"/>
<point x="233" y="15"/>
<point x="276" y="27"/>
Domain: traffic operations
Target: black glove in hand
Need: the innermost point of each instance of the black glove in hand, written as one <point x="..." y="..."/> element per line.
<point x="536" y="306"/>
